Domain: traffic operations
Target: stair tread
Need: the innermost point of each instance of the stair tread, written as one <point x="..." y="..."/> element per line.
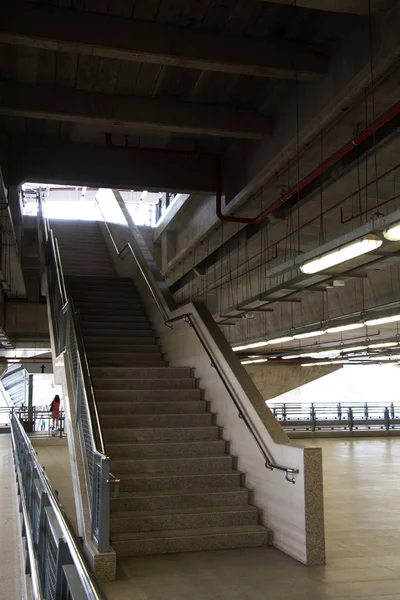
<point x="177" y="533"/>
<point x="168" y="476"/>
<point x="136" y="443"/>
<point x="185" y="511"/>
<point x="194" y="492"/>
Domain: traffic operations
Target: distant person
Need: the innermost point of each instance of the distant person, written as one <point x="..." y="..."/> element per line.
<point x="54" y="411"/>
<point x="43" y="425"/>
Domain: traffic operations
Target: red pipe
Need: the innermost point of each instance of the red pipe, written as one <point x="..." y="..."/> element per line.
<point x="388" y="116"/>
<point x="385" y="118"/>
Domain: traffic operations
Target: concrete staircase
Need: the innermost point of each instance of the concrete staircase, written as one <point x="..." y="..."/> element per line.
<point x="180" y="490"/>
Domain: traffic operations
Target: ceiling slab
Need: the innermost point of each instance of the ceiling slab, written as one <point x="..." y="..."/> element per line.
<point x="92" y="34"/>
<point x="131" y="114"/>
<point x="357" y="7"/>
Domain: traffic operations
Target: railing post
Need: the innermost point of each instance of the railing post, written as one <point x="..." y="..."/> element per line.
<point x="392" y="411"/>
<point x="101" y="504"/>
<point x="351" y="419"/>
<point x="366" y="412"/>
<point x="313" y="417"/>
<point x="339" y="411"/>
<point x="387" y="418"/>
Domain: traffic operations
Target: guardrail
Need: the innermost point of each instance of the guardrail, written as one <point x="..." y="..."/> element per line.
<point x="68" y="340"/>
<point x="168" y="310"/>
<point x="312" y="417"/>
<point x="55" y="560"/>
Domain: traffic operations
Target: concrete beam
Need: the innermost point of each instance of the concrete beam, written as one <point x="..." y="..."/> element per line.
<point x="139" y="41"/>
<point x="130" y="114"/>
<point x="356" y="7"/>
<point x="97" y="166"/>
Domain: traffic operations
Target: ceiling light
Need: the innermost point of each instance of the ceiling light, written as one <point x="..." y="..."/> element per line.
<point x="308" y="334"/>
<point x="326" y="261"/>
<point x="344" y="327"/>
<point x="258" y="360"/>
<point x="393" y="233"/>
<point x="383" y="320"/>
<point x="238" y="348"/>
<point x="308" y="364"/>
<point x="354" y="349"/>
<point x="257" y="344"/>
<point x="383" y="345"/>
<point x="143" y="195"/>
<point x="287" y="338"/>
<point x="292" y="356"/>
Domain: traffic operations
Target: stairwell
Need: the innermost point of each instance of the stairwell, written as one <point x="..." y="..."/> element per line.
<point x="180" y="490"/>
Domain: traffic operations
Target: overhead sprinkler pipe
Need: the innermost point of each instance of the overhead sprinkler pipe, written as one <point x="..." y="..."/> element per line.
<point x="371" y="130"/>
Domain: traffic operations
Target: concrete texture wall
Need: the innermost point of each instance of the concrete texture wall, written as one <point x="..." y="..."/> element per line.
<point x="26" y="321"/>
<point x="273" y="380"/>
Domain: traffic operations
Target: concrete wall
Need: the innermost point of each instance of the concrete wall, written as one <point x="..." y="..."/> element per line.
<point x="293" y="512"/>
<point x="274" y="380"/>
<point x="26" y="321"/>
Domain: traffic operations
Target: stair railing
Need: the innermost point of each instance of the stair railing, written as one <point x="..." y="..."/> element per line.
<point x="54" y="558"/>
<point x="68" y="340"/>
<point x="199" y="319"/>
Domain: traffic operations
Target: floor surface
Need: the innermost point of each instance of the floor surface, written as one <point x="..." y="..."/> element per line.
<point x="362" y="514"/>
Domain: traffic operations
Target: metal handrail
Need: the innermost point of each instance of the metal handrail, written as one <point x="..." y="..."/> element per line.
<point x="88" y="582"/>
<point x="269" y="462"/>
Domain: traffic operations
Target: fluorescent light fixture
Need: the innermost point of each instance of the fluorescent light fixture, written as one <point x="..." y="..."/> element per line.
<point x="354" y="349"/>
<point x="300" y="336"/>
<point x="347" y="252"/>
<point x="292" y="356"/>
<point x="345" y="327"/>
<point x="393" y="233"/>
<point x="258" y="360"/>
<point x="282" y="340"/>
<point x="143" y="195"/>
<point x="238" y="348"/>
<point x="83" y="192"/>
<point x="308" y="365"/>
<point x="383" y="345"/>
<point x="382" y="320"/>
<point x="257" y="344"/>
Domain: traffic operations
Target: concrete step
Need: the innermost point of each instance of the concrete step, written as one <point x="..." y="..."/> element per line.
<point x="165" y="383"/>
<point x="158" y="482"/>
<point x="142" y="373"/>
<point x="107" y="339"/>
<point x="132" y="360"/>
<point x="128" y="501"/>
<point x="190" y="540"/>
<point x="145" y="345"/>
<point x="161" y="434"/>
<point x="128" y="311"/>
<point x="113" y="412"/>
<point x="106" y="305"/>
<point x="189" y="518"/>
<point x="125" y="397"/>
<point x="118" y="320"/>
<point x="101" y="297"/>
<point x="192" y="449"/>
<point x="112" y="330"/>
<point x="205" y="464"/>
<point x="144" y="419"/>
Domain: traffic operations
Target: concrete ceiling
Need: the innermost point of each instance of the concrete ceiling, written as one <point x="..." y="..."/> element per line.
<point x="266" y="90"/>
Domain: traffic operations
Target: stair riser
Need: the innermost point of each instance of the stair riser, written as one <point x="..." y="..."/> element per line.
<point x="163" y="420"/>
<point x="145" y="345"/>
<point x="124" y="397"/>
<point x="131" y="373"/>
<point x="108" y="307"/>
<point x="163" y="434"/>
<point x="129" y="311"/>
<point x="138" y="336"/>
<point x="153" y="361"/>
<point x="128" y="410"/>
<point x="112" y="329"/>
<point x="145" y="384"/>
<point x="157" y="450"/>
<point x="181" y="482"/>
<point x="183" y="501"/>
<point x="114" y="320"/>
<point x="191" y="544"/>
<point x="172" y="465"/>
<point x="195" y="521"/>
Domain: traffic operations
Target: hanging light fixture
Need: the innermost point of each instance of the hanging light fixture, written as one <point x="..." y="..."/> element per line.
<point x="308" y="334"/>
<point x="393" y="233"/>
<point x="383" y="320"/>
<point x="281" y="340"/>
<point x="347" y="252"/>
<point x="258" y="360"/>
<point x="238" y="348"/>
<point x="340" y="328"/>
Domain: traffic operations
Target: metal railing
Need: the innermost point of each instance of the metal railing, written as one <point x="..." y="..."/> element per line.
<point x="55" y="560"/>
<point x="337" y="416"/>
<point x="39" y="423"/>
<point x="166" y="305"/>
<point x="68" y="340"/>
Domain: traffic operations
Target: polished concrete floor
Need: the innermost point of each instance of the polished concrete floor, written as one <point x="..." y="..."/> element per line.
<point x="362" y="514"/>
<point x="11" y="567"/>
